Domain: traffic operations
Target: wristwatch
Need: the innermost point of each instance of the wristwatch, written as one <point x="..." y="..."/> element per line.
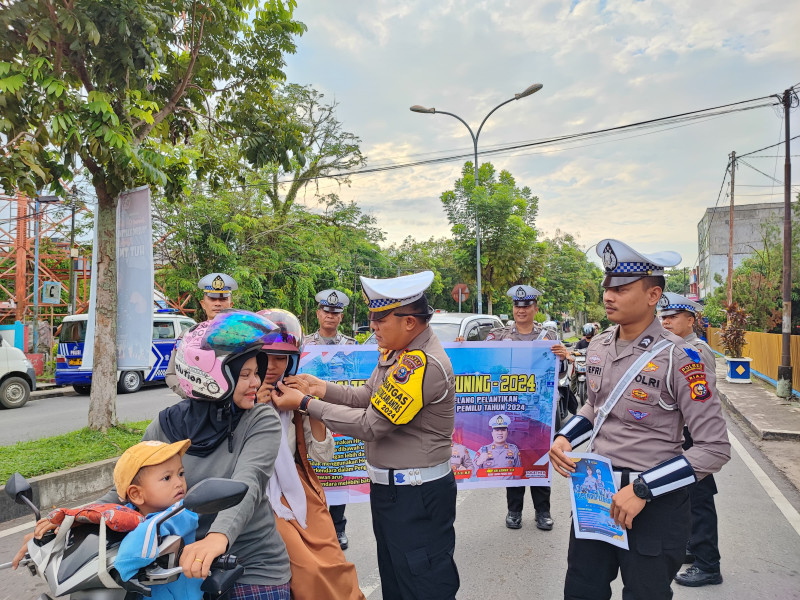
<point x="303" y="408"/>
<point x="641" y="490"/>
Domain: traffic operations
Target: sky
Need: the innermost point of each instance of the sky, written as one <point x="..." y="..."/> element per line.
<point x="602" y="63"/>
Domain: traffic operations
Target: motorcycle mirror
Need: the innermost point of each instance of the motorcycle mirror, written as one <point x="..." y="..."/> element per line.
<point x="20" y="490"/>
<point x="214" y="494"/>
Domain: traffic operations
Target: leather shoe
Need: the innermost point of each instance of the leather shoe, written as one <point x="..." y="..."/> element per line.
<point x="544" y="521"/>
<point x="696" y="577"/>
<point x="343" y="541"/>
<point x="514" y="520"/>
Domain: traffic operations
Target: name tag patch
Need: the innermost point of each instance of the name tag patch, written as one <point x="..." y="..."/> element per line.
<point x="399" y="398"/>
<point x="648" y="381"/>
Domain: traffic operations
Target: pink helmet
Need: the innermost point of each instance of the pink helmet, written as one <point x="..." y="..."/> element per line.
<point x="202" y="356"/>
<point x="290" y="340"/>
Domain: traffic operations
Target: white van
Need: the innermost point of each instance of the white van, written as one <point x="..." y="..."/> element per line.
<point x="17" y="377"/>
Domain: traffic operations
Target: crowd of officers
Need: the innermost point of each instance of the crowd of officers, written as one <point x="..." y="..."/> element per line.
<point x="652" y="409"/>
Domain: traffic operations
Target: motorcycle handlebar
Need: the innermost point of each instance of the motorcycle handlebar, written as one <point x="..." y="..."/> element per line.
<point x="224" y="562"/>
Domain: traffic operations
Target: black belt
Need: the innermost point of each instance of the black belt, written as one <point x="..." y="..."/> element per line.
<point x="625" y="475"/>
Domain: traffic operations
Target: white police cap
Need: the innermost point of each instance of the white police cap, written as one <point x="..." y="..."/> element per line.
<point x="499" y="421"/>
<point x="386" y="294"/>
<point x="523" y="295"/>
<point x="672" y="303"/>
<point x="332" y="300"/>
<point x="625" y="265"/>
<point x="217" y="285"/>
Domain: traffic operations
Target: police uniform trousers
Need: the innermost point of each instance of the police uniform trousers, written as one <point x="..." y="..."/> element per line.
<point x="414" y="532"/>
<point x="337" y="514"/>
<point x="515" y="497"/>
<point x="704" y="541"/>
<point x="657" y="546"/>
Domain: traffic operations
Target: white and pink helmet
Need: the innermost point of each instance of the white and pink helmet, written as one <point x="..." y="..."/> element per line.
<point x="288" y="340"/>
<point x="202" y="356"/>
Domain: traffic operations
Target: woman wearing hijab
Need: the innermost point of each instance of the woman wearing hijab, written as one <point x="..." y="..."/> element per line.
<point x="319" y="567"/>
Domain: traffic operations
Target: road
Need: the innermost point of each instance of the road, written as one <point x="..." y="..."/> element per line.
<point x="42" y="417"/>
<point x="759" y="540"/>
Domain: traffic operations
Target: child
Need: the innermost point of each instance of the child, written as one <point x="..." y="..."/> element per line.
<point x="149" y="476"/>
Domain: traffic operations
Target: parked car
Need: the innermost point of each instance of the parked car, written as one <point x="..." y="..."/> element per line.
<point x="17" y="377"/>
<point x="166" y="327"/>
<point x="449" y="326"/>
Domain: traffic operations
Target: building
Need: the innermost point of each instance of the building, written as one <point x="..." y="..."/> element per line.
<point x="713" y="231"/>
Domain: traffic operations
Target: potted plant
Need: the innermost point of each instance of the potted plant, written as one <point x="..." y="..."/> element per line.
<point x="733" y="342"/>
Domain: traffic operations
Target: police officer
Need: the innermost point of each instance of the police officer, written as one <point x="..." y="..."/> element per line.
<point x="679" y="315"/>
<point x="460" y="460"/>
<point x="500" y="453"/>
<point x="217" y="296"/>
<point x="525" y="301"/>
<point x="648" y="382"/>
<point x="405" y="414"/>
<point x="330" y="309"/>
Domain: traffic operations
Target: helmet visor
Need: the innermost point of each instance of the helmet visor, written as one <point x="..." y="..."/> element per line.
<point x="237" y="330"/>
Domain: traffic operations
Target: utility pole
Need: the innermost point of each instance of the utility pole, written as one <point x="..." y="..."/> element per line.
<point x="784" y="387"/>
<point x="730" y="231"/>
<point x="73" y="257"/>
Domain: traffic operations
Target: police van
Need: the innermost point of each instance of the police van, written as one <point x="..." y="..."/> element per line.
<point x="167" y="326"/>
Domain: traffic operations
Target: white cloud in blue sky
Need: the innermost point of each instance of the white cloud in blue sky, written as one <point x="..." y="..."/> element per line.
<point x="602" y="63"/>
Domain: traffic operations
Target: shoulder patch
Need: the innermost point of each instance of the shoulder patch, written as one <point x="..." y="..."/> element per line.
<point x="399" y="398"/>
<point x="692" y="353"/>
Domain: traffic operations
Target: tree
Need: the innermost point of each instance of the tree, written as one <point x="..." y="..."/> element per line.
<point x="507" y="216"/>
<point x="113" y="86"/>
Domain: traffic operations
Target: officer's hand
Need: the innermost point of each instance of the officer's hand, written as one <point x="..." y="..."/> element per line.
<point x="316" y="385"/>
<point x="482" y="458"/>
<point x="562" y="463"/>
<point x="560" y="350"/>
<point x="298" y="383"/>
<point x="285" y="398"/>
<point x="264" y="393"/>
<point x="625" y="505"/>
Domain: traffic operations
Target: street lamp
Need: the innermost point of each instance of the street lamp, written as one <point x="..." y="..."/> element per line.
<point x="531" y="89"/>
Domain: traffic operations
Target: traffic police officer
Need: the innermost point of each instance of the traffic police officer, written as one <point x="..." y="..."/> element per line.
<point x="460" y="460"/>
<point x="525" y="306"/>
<point x="646" y="384"/>
<point x="217" y="296"/>
<point x="679" y="315"/>
<point x="330" y="309"/>
<point x="500" y="453"/>
<point x="405" y="414"/>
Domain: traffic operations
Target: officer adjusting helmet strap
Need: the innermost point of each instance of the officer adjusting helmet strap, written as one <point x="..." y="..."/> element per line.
<point x="622" y="384"/>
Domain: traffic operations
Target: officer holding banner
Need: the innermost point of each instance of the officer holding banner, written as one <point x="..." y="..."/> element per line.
<point x="526" y="304"/>
<point x="646" y="384"/>
<point x="405" y="413"/>
<point x="217" y="296"/>
<point x="330" y="308"/>
<point x="679" y="316"/>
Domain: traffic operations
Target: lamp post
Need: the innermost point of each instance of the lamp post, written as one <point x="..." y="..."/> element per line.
<point x="531" y="89"/>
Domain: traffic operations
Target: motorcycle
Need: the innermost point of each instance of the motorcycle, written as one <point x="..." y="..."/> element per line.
<point x="80" y="561"/>
<point x="580" y="376"/>
<point x="567" y="401"/>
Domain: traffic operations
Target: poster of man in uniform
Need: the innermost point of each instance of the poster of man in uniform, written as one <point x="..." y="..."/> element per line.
<point x="504" y="414"/>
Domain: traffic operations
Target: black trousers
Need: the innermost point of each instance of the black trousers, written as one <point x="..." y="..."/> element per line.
<point x="657" y="545"/>
<point x="540" y="495"/>
<point x="337" y="514"/>
<point x="414" y="532"/>
<point x="704" y="541"/>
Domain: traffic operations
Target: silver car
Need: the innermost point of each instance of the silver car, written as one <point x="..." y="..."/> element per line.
<point x="448" y="326"/>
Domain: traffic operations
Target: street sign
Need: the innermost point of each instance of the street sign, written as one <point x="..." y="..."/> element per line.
<point x="462" y="287"/>
<point x="51" y="292"/>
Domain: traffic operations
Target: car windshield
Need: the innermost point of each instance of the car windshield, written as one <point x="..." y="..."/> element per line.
<point x="446" y="332"/>
<point x="73" y="331"/>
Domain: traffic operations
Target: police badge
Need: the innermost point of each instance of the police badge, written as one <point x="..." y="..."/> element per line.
<point x="609" y="258"/>
<point x="333" y="299"/>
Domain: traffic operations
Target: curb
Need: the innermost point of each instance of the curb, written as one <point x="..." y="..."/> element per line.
<point x="61" y="488"/>
<point x="762" y="434"/>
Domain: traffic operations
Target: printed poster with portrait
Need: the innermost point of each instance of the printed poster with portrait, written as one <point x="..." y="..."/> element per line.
<point x="504" y="420"/>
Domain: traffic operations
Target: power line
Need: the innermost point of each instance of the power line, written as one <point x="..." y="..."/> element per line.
<point x="770" y="146"/>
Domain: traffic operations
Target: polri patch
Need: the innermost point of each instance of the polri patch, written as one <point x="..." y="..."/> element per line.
<point x="637" y="414"/>
<point x="699" y="387"/>
<point x="692" y="368"/>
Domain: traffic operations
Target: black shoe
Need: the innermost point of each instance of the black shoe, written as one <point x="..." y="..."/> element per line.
<point x="543" y="521"/>
<point x="696" y="577"/>
<point x="514" y="520"/>
<point x="343" y="541"/>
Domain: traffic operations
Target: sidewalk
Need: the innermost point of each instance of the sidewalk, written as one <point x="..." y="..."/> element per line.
<point x="774" y="423"/>
<point x="51" y="390"/>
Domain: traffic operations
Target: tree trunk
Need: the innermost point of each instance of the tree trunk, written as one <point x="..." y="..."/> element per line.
<point x="103" y="400"/>
<point x="489" y="303"/>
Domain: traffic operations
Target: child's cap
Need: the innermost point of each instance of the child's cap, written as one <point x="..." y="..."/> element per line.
<point x="144" y="454"/>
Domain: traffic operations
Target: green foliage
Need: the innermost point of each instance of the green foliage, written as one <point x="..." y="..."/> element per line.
<point x="507" y="216"/>
<point x="51" y="454"/>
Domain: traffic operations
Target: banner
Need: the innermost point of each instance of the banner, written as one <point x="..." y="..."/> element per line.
<point x="504" y="418"/>
<point x="134" y="284"/>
